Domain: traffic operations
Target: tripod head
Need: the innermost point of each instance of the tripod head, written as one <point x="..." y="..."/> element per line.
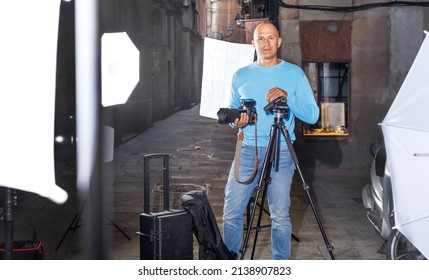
<point x="278" y="106"/>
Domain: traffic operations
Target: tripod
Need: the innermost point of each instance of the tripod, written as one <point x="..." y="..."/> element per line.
<point x="251" y="201"/>
<point x="280" y="109"/>
<point x="75" y="224"/>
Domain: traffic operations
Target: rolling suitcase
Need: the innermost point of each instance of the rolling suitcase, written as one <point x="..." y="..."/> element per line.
<point x="165" y="235"/>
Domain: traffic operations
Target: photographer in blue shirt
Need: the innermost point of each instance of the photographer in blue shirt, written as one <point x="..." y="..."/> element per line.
<point x="267" y="79"/>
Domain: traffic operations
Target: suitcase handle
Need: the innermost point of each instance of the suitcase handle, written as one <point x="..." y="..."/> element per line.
<point x="146" y="192"/>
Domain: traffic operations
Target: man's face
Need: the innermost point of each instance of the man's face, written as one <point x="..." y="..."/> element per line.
<point x="266" y="41"/>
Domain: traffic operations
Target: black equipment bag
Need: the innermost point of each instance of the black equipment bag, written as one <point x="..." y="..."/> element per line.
<point x="211" y="245"/>
<point x="25" y="250"/>
<point x="164" y="235"/>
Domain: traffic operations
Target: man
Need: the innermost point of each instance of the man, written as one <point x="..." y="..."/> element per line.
<point x="267" y="79"/>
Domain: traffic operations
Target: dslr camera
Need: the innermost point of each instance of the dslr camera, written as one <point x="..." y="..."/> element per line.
<point x="227" y="115"/>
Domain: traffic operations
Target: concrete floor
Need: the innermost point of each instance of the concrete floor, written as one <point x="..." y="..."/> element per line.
<point x="201" y="151"/>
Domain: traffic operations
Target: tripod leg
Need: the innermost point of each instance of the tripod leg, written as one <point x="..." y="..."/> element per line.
<point x="249" y="225"/>
<point x="252" y="200"/>
<point x="248" y="213"/>
<point x="329" y="247"/>
<point x="118" y="228"/>
<point x="262" y="183"/>
<point x="263" y="209"/>
<point x="294" y="237"/>
<point x="258" y="225"/>
<point x="73" y="225"/>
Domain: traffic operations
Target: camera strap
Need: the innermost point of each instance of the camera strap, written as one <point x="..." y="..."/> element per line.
<point x="240" y="137"/>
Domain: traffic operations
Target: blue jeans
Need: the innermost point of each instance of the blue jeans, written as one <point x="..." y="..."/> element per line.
<point x="237" y="197"/>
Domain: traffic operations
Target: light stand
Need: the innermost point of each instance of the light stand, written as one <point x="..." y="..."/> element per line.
<point x="75" y="224"/>
<point x="8" y="219"/>
<point x="279" y="107"/>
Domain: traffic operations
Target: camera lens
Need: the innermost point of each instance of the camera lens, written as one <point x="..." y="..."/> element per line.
<point x="226" y="115"/>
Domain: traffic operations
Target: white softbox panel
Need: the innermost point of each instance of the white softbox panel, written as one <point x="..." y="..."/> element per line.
<point x="28" y="54"/>
<point x="221" y="60"/>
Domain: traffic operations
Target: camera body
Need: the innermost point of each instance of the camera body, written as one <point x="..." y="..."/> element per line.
<point x="279" y="105"/>
<point x="227" y="115"/>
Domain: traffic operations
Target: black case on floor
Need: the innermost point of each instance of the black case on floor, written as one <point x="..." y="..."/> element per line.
<point x="164" y="235"/>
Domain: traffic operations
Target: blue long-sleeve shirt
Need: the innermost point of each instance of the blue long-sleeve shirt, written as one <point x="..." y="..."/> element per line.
<point x="254" y="81"/>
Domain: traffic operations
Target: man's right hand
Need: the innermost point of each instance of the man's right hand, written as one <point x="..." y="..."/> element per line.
<point x="242" y="121"/>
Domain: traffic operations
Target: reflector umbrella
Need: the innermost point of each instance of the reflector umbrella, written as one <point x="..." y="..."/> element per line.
<point x="406" y="136"/>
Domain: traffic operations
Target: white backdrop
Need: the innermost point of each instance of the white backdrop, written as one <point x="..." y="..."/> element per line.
<point x="221" y="60"/>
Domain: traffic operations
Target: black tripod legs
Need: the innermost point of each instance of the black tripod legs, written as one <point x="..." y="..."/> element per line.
<point x="72" y="227"/>
<point x="271" y="159"/>
<point x="252" y="200"/>
<point x="329" y="246"/>
<point x="75" y="225"/>
<point x="263" y="181"/>
<point x="306" y="187"/>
